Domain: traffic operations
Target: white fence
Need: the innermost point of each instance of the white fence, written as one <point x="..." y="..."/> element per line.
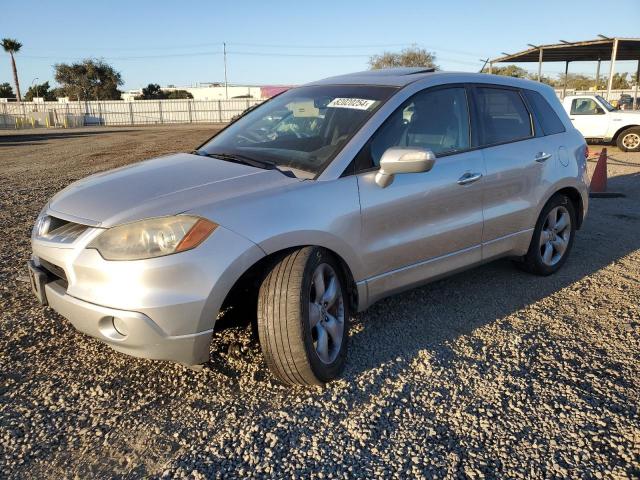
<point x="117" y="112"/>
<point x="144" y="112"/>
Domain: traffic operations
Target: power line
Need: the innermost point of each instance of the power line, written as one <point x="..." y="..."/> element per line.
<point x="379" y="45"/>
<point x="235" y="52"/>
<point x="259" y="46"/>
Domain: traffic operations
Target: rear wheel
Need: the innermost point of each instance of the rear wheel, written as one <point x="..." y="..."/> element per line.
<point x="629" y="140"/>
<point x="303" y="318"/>
<point x="552" y="237"/>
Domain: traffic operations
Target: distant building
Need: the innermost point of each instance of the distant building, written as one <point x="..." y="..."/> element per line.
<point x="217" y="91"/>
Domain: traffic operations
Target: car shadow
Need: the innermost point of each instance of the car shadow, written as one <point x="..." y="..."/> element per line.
<point x="397" y="328"/>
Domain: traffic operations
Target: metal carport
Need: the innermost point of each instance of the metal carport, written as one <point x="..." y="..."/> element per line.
<point x="604" y="48"/>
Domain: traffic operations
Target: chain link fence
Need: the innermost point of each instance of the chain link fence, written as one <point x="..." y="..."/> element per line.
<point x="117" y="112"/>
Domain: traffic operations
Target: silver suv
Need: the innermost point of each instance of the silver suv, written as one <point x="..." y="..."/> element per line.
<point x="311" y="207"/>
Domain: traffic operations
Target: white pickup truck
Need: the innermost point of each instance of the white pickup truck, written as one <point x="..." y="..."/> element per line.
<point x="596" y="118"/>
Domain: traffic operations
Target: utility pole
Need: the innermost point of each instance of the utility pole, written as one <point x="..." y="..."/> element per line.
<point x="226" y="84"/>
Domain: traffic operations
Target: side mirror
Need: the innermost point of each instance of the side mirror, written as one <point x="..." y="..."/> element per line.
<point x="403" y="160"/>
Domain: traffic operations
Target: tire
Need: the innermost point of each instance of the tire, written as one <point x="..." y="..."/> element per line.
<point x="629" y="140"/>
<point x="296" y="352"/>
<point x="537" y="260"/>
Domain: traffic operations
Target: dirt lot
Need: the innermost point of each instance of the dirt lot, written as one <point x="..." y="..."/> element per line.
<point x="491" y="373"/>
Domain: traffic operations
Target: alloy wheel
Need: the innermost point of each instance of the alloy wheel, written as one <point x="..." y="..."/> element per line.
<point x="555" y="235"/>
<point x="326" y="313"/>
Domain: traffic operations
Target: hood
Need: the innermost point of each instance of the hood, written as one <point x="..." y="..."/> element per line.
<point x="162" y="186"/>
<point x="627" y="115"/>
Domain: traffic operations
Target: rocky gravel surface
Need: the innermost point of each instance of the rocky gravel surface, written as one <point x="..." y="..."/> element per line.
<point x="492" y="373"/>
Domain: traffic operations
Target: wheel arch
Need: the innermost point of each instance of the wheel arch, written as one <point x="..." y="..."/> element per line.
<point x="576" y="199"/>
<point x="614" y="139"/>
<point x="245" y="289"/>
<point x="573" y="192"/>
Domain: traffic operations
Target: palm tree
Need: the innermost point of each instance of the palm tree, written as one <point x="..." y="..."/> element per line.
<point x="12" y="46"/>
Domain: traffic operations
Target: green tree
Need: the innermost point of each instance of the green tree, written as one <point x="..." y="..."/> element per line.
<point x="546" y="80"/>
<point x="42" y="90"/>
<point x="510" y="71"/>
<point x="576" y="81"/>
<point x="6" y="91"/>
<point x="90" y="79"/>
<point x="58" y="92"/>
<point x="179" y="95"/>
<point x="409" y="57"/>
<point x="12" y="46"/>
<point x="518" y="72"/>
<point x="620" y="81"/>
<point x="153" y="91"/>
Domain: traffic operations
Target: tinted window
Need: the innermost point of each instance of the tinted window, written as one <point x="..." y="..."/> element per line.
<point x="549" y="120"/>
<point x="585" y="106"/>
<point x="437" y="120"/>
<point x="503" y="116"/>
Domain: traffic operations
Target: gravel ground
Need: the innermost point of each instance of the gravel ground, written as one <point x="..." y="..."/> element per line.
<point x="491" y="373"/>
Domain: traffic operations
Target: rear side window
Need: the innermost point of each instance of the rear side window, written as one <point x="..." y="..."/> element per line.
<point x="502" y="115"/>
<point x="548" y="119"/>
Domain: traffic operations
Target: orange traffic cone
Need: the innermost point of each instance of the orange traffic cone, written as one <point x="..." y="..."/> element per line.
<point x="598" y="188"/>
<point x="599" y="178"/>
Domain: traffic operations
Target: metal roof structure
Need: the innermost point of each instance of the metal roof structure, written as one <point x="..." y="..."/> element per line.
<point x="603" y="48"/>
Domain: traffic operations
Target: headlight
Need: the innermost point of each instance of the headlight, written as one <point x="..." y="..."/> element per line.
<point x="41" y="226"/>
<point x="152" y="238"/>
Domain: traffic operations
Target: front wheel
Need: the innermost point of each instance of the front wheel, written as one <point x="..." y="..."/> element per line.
<point x="303" y="318"/>
<point x="552" y="237"/>
<point x="629" y="140"/>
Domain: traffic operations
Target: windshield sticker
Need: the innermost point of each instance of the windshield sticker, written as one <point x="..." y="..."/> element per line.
<point x="356" y="103"/>
<point x="303" y="109"/>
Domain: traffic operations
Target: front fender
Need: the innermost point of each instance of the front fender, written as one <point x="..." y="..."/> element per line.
<point x="318" y="238"/>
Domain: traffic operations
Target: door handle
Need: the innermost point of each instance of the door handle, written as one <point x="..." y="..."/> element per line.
<point x="468" y="178"/>
<point x="542" y="157"/>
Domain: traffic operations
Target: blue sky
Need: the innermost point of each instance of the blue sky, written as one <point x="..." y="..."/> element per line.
<point x="290" y="42"/>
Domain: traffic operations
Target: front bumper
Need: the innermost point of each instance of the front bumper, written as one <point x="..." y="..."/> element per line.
<point x="140" y="336"/>
<point x="165" y="307"/>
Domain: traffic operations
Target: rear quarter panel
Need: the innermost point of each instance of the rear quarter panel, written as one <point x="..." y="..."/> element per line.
<point x="561" y="173"/>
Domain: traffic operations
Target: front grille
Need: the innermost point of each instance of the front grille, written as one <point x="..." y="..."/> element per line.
<point x="62" y="231"/>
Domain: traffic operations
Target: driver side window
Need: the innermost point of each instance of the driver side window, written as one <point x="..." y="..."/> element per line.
<point x="437" y="120"/>
<point x="585" y="106"/>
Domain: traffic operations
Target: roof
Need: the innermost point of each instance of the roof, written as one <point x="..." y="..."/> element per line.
<point x="590" y="50"/>
<point x="397" y="77"/>
<point x="400" y="77"/>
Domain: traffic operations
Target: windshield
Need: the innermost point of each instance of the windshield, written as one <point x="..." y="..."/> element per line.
<point x="606" y="104"/>
<point x="301" y="129"/>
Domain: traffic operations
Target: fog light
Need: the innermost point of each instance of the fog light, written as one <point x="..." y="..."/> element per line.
<point x="120" y="326"/>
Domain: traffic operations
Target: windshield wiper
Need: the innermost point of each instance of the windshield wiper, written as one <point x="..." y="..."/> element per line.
<point x="237" y="158"/>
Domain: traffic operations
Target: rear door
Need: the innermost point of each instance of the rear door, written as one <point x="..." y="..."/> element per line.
<point x="423" y="224"/>
<point x="515" y="161"/>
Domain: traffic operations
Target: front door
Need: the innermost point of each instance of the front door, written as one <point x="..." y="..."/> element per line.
<point x="589" y="118"/>
<point x="423" y="224"/>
